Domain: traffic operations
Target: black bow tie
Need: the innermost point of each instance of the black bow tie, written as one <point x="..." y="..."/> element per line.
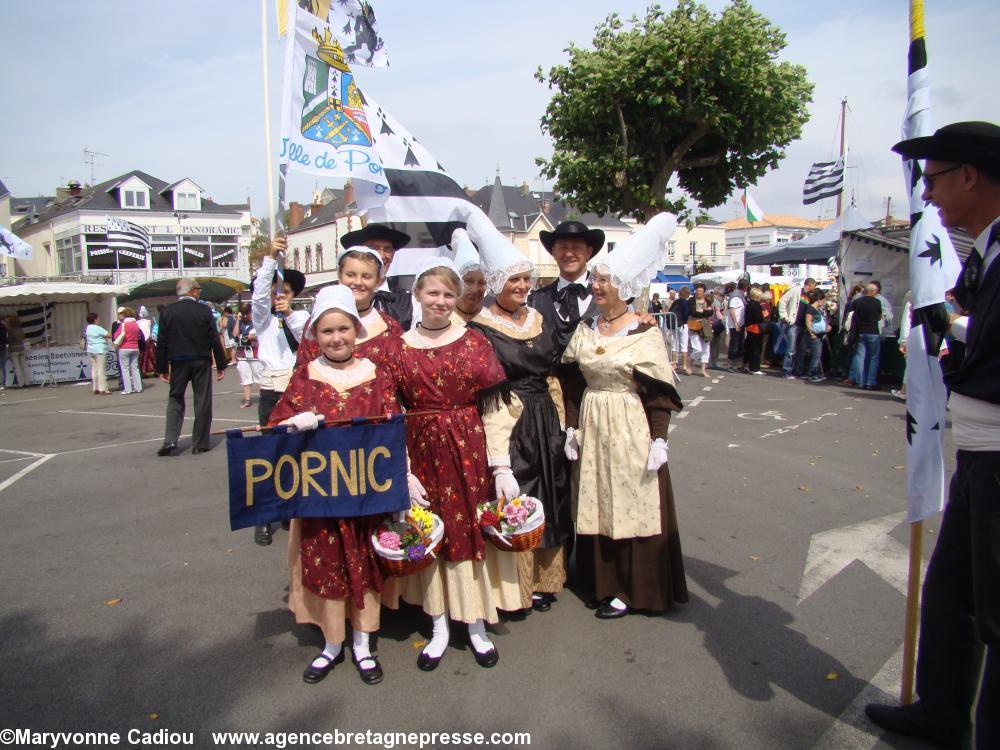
<point x="573" y="290"/>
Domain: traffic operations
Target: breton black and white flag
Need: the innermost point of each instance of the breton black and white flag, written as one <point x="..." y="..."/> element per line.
<point x="934" y="267"/>
<point x="127" y="237"/>
<point x="34" y="320"/>
<point x="825" y="180"/>
<point x="422" y="194"/>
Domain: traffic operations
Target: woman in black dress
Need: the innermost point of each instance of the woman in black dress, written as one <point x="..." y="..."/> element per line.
<point x="527" y="347"/>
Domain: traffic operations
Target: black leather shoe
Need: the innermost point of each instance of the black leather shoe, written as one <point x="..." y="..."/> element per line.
<point x="515" y="615"/>
<point x="912" y="721"/>
<point x="198" y="449"/>
<point x="594" y="602"/>
<point x="541" y="605"/>
<point x="286" y="525"/>
<point x="607" y="612"/>
<point x="488" y="659"/>
<point x="372" y="676"/>
<point x="168" y="449"/>
<point x="312" y="675"/>
<point x="262" y="535"/>
<point x="428" y="663"/>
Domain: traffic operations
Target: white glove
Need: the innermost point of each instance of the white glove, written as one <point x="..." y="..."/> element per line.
<point x="572" y="447"/>
<point x="506" y="485"/>
<point x="418" y="495"/>
<point x="302" y="421"/>
<point x="657" y="454"/>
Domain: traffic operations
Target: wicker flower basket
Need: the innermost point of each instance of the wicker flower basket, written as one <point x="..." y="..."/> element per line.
<point x="395" y="562"/>
<point x="528" y="538"/>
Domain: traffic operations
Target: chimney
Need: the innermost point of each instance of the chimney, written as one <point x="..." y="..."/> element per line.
<point x="296" y="213"/>
<point x="348" y="194"/>
<point x="546" y="206"/>
<point x="524" y="188"/>
<point x="74" y="187"/>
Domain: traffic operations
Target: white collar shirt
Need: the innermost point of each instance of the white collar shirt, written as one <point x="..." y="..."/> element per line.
<point x="273" y="350"/>
<point x="585" y="301"/>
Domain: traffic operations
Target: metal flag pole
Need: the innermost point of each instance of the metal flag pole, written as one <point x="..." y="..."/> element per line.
<point x="267" y="117"/>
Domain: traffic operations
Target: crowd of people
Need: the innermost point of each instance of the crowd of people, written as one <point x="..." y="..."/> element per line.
<point x="748" y="327"/>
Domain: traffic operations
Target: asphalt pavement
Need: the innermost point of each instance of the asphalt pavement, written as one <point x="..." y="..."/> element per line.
<point x="127" y="603"/>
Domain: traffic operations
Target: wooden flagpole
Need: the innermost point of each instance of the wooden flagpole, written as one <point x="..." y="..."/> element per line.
<point x="912" y="612"/>
<point x="267" y="117"/>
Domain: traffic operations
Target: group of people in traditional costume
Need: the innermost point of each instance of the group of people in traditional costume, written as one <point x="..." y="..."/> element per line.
<point x="563" y="393"/>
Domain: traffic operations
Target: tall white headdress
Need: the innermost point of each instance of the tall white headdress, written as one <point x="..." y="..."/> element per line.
<point x="499" y="258"/>
<point x="633" y="263"/>
<point x="466" y="258"/>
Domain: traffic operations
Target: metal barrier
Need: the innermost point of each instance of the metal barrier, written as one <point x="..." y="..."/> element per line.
<point x="667" y="322"/>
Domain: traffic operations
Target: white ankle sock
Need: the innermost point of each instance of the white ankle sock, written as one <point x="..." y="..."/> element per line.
<point x="478" y="638"/>
<point x="331" y="652"/>
<point x="439" y="640"/>
<point x="361" y="649"/>
<point x="618" y="603"/>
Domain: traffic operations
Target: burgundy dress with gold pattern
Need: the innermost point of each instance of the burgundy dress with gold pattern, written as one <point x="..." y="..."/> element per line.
<point x="373" y="348"/>
<point x="337" y="556"/>
<point x="447" y="449"/>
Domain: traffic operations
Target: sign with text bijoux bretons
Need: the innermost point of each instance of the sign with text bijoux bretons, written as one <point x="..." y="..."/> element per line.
<point x="338" y="471"/>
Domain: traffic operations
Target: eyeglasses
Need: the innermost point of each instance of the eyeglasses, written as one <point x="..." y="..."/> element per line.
<point x="930" y="176"/>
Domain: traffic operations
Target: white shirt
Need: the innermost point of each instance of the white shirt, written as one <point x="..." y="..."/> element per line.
<point x="737" y="309"/>
<point x="272" y="346"/>
<point x="582" y="280"/>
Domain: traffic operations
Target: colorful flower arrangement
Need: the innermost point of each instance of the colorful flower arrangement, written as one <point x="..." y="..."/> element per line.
<point x="509" y="516"/>
<point x="413" y="540"/>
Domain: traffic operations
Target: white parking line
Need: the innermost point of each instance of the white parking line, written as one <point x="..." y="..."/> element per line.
<point x="113" y="445"/>
<point x="10" y="460"/>
<point x="145" y="416"/>
<point x="27" y="400"/>
<point x="707" y="388"/>
<point x="22" y="453"/>
<point x="26" y="470"/>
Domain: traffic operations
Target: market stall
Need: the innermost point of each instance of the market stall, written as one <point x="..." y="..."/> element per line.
<point x="53" y="316"/>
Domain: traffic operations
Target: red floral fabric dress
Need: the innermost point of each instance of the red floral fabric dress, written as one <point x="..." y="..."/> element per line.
<point x="447" y="449"/>
<point x="337" y="556"/>
<point x="373" y="348"/>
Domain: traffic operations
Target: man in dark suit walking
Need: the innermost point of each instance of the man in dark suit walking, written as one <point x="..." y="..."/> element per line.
<point x="187" y="340"/>
<point x="569" y="299"/>
<point x="960" y="611"/>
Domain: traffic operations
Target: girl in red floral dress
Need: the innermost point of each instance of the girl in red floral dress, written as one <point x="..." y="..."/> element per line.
<point x="450" y="370"/>
<point x="360" y="270"/>
<point x="334" y="572"/>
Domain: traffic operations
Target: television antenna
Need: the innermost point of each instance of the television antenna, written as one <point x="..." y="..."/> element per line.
<point x="88" y="158"/>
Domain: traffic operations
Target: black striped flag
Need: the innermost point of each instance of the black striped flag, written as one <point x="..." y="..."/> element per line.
<point x="34" y="320"/>
<point x="422" y="194"/>
<point x="825" y="180"/>
<point x="127" y="237"/>
<point x="934" y="267"/>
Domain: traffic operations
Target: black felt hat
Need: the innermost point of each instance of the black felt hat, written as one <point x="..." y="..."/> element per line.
<point x="375" y="232"/>
<point x="573" y="230"/>
<point x="295" y="279"/>
<point x="975" y="143"/>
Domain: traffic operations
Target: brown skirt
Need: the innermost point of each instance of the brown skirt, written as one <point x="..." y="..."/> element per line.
<point x="644" y="572"/>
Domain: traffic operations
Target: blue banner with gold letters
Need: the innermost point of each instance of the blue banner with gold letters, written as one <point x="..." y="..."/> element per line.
<point x="333" y="472"/>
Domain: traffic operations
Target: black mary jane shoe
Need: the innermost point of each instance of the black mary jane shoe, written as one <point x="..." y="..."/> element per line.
<point x="428" y="663"/>
<point x="312" y="675"/>
<point x="372" y="675"/>
<point x="515" y="615"/>
<point x="487" y="659"/>
<point x="608" y="612"/>
<point x="541" y="604"/>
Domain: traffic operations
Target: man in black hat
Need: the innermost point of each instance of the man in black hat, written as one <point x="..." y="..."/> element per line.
<point x="568" y="299"/>
<point x="960" y="611"/>
<point x="279" y="330"/>
<point x="396" y="303"/>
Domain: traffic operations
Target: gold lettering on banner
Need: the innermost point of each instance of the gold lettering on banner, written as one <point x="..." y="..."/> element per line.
<point x="281" y="492"/>
<point x="308" y="471"/>
<point x="359" y="463"/>
<point x="372" y="481"/>
<point x="350" y="477"/>
<point x="253" y="478"/>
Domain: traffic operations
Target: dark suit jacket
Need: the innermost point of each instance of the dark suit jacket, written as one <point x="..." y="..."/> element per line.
<point x="397" y="305"/>
<point x="974" y="369"/>
<point x="545" y="301"/>
<point x="188" y="331"/>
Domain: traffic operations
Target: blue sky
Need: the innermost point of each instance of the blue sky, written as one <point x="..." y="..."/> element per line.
<point x="175" y="89"/>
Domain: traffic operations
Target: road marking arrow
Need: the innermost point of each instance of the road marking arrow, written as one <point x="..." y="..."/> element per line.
<point x="867" y="542"/>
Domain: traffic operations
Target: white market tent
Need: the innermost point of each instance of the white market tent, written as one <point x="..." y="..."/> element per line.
<point x="721" y="278"/>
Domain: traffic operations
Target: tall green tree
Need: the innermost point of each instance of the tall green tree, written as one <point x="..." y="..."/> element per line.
<point x="685" y="93"/>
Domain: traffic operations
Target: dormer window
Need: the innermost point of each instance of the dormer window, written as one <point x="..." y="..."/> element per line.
<point x="135" y="199"/>
<point x="185" y="200"/>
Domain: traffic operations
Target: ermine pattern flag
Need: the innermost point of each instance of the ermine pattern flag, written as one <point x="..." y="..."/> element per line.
<point x="14" y="246"/>
<point x="353" y="23"/>
<point x="34" y="320"/>
<point x="324" y="128"/>
<point x="127" y="237"/>
<point x="825" y="180"/>
<point x="934" y="267"/>
<point x="423" y="194"/>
